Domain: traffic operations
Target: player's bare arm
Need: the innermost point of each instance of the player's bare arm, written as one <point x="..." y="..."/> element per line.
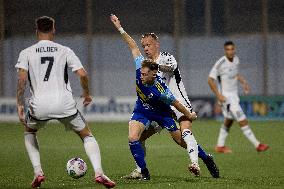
<point x="213" y="86"/>
<point x="131" y="43"/>
<point x="244" y="83"/>
<point x="192" y="116"/>
<point x="85" y="86"/>
<point x="21" y="87"/>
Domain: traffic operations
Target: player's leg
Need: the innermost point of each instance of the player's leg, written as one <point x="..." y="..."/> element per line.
<point x="206" y="158"/>
<point x="136" y="173"/>
<point x="32" y="147"/>
<point x="224" y="130"/>
<point x="135" y="130"/>
<point x="78" y="124"/>
<point x="243" y="122"/>
<point x="192" y="147"/>
<point x="177" y="136"/>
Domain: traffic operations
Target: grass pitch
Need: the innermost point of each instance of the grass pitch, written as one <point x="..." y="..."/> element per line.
<point x="244" y="168"/>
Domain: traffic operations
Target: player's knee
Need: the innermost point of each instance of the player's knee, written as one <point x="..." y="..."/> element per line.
<point x="85" y="133"/>
<point x="133" y="137"/>
<point x="29" y="130"/>
<point x="243" y="123"/>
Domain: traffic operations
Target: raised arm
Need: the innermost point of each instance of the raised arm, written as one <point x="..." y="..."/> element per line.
<point x="131" y="43"/>
<point x="192" y="116"/>
<point x="21" y="87"/>
<point x="244" y="83"/>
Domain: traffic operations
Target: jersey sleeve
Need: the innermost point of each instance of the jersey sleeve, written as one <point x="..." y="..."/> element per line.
<point x="214" y="73"/>
<point x="167" y="97"/>
<point x="171" y="61"/>
<point x="23" y="61"/>
<point x="73" y="61"/>
<point x="138" y="60"/>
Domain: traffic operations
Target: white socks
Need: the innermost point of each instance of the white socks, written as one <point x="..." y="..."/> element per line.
<point x="222" y="136"/>
<point x="250" y="136"/>
<point x="93" y="151"/>
<point x="191" y="143"/>
<point x="33" y="151"/>
<point x="246" y="130"/>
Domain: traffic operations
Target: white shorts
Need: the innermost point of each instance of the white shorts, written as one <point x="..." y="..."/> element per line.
<point x="178" y="114"/>
<point x="75" y="122"/>
<point x="233" y="111"/>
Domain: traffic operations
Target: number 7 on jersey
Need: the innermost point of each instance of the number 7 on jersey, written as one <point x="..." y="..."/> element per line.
<point x="50" y="60"/>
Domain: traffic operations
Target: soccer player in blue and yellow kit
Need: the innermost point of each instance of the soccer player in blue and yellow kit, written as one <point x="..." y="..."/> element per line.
<point x="153" y="104"/>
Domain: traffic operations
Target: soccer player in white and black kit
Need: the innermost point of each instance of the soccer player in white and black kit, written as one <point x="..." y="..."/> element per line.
<point x="45" y="65"/>
<point x="169" y="72"/>
<point x="226" y="72"/>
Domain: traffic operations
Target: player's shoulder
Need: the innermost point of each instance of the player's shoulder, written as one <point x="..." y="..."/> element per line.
<point x="27" y="50"/>
<point x="237" y="58"/>
<point x="166" y="55"/>
<point x="166" y="58"/>
<point x="61" y="47"/>
<point x="220" y="61"/>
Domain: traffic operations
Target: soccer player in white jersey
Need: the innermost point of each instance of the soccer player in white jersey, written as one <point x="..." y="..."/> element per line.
<point x="169" y="72"/>
<point x="45" y="65"/>
<point x="226" y="72"/>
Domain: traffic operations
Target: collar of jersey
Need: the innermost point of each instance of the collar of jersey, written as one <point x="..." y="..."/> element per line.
<point x="147" y="85"/>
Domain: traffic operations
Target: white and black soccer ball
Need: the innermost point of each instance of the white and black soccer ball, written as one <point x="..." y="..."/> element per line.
<point x="76" y="168"/>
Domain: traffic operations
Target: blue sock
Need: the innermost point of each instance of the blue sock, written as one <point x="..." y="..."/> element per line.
<point x="138" y="154"/>
<point x="201" y="153"/>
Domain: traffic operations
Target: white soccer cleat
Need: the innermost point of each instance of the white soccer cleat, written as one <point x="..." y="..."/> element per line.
<point x="194" y="168"/>
<point x="135" y="174"/>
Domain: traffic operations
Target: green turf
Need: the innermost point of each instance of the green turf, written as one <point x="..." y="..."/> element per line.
<point x="244" y="168"/>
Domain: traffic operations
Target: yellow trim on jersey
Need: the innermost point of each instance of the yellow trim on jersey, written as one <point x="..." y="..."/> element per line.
<point x="160" y="87"/>
<point x="140" y="93"/>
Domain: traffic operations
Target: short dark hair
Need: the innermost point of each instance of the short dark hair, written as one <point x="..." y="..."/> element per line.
<point x="150" y="64"/>
<point x="44" y="24"/>
<point x="153" y="35"/>
<point x="227" y="43"/>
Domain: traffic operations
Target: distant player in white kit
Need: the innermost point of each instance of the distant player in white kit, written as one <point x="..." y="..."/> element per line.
<point x="226" y="72"/>
<point x="45" y="65"/>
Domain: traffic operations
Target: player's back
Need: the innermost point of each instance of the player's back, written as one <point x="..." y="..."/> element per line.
<point x="173" y="80"/>
<point x="47" y="63"/>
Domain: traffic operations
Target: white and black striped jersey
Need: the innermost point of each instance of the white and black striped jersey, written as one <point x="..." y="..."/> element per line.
<point x="47" y="63"/>
<point x="173" y="79"/>
<point x="226" y="73"/>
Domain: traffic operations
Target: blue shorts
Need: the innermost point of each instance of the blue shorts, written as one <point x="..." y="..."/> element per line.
<point x="163" y="121"/>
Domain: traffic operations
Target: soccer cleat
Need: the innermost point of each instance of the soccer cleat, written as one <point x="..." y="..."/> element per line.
<point x="104" y="180"/>
<point x="194" y="168"/>
<point x="37" y="181"/>
<point x="145" y="175"/>
<point x="262" y="147"/>
<point x="135" y="174"/>
<point x="211" y="166"/>
<point x="223" y="149"/>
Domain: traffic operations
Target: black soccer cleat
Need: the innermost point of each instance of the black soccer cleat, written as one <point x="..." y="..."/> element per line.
<point x="211" y="166"/>
<point x="145" y="175"/>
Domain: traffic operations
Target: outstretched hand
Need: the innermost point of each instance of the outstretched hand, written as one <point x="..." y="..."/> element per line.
<point x="115" y="21"/>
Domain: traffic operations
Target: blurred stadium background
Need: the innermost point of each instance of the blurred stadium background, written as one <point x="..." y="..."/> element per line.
<point x="193" y="31"/>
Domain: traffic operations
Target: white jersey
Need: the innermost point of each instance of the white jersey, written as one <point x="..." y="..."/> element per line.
<point x="226" y="73"/>
<point x="47" y="63"/>
<point x="173" y="80"/>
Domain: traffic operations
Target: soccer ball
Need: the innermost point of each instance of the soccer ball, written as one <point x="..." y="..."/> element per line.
<point x="76" y="168"/>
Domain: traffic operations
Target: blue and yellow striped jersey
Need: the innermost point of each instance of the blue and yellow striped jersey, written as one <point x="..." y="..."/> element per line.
<point x="155" y="99"/>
